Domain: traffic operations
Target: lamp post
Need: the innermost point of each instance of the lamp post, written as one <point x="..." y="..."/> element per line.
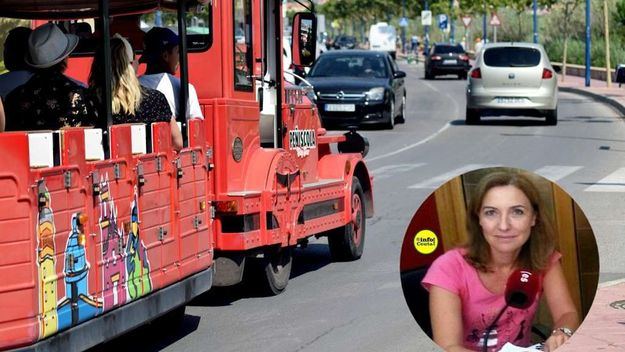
<point x="403" y="28"/>
<point x="484" y="28"/>
<point x="452" y="34"/>
<point x="588" y="43"/>
<point x="535" y="8"/>
<point x="426" y="40"/>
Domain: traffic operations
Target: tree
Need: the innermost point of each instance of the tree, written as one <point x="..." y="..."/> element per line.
<point x="568" y="8"/>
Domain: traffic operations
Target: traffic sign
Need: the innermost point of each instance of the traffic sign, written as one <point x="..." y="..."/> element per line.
<point x="403" y="22"/>
<point x="426" y="18"/>
<point x="495" y="21"/>
<point x="466" y="20"/>
<point x="442" y="21"/>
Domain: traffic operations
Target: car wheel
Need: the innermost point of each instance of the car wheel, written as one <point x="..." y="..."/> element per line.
<point x="428" y="75"/>
<point x="391" y="120"/>
<point x="347" y="242"/>
<point x="472" y="117"/>
<point x="401" y="118"/>
<point x="552" y="117"/>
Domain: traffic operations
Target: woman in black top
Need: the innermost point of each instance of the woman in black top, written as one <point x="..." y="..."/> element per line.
<point x="131" y="102"/>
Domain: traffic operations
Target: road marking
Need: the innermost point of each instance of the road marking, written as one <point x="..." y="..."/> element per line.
<point x="614" y="182"/>
<point x="556" y="172"/>
<point x="438" y="180"/>
<point x="414" y="145"/>
<point x="391" y="170"/>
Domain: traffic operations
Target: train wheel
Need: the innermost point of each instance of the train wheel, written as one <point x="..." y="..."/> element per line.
<point x="347" y="243"/>
<point x="277" y="270"/>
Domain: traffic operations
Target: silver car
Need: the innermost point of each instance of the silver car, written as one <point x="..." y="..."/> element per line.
<point x="512" y="79"/>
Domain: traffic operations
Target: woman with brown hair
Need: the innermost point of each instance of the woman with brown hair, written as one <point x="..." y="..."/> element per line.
<point x="508" y="230"/>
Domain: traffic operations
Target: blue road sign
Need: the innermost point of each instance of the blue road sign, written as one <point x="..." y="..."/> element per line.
<point x="403" y="22"/>
<point x="443" y="21"/>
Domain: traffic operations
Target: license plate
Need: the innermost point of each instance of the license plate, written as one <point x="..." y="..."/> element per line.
<point x="450" y="62"/>
<point x="507" y="100"/>
<point x="341" y="107"/>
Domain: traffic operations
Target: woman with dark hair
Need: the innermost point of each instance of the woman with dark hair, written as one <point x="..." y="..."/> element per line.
<point x="49" y="100"/>
<point x="131" y="102"/>
<point x="15" y="49"/>
<point x="508" y="230"/>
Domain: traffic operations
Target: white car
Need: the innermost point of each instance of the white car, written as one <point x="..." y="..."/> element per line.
<point x="512" y="79"/>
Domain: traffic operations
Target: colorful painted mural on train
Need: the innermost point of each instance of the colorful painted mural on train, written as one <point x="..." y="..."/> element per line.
<point x="46" y="263"/>
<point x="113" y="251"/>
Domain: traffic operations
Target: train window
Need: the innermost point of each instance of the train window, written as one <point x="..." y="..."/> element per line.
<point x="242" y="44"/>
<point x="199" y="21"/>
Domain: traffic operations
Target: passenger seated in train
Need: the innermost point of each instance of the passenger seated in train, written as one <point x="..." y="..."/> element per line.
<point x="49" y="100"/>
<point x="160" y="53"/>
<point x="131" y="102"/>
<point x="2" y="120"/>
<point x="15" y="49"/>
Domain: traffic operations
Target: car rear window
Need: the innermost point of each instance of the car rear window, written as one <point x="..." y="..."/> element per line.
<point x="446" y="49"/>
<point x="512" y="57"/>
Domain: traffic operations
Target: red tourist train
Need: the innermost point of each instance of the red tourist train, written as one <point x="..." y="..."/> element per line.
<point x="102" y="231"/>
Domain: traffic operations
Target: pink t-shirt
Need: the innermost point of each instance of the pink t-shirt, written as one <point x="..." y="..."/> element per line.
<point x="480" y="307"/>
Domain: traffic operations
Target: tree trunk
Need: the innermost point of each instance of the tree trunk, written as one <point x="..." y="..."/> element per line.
<point x="564" y="57"/>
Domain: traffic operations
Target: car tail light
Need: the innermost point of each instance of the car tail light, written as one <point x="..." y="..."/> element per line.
<point x="464" y="58"/>
<point x="436" y="58"/>
<point x="476" y="73"/>
<point x="547" y="73"/>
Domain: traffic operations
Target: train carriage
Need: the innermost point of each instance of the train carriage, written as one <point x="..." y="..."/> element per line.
<point x="104" y="230"/>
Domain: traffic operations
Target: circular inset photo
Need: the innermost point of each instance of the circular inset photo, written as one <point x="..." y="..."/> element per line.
<point x="499" y="259"/>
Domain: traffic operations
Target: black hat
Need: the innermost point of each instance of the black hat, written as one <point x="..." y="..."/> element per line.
<point x="157" y="40"/>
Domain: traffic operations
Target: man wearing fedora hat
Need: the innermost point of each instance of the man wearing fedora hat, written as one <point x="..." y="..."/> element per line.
<point x="160" y="53"/>
<point x="49" y="100"/>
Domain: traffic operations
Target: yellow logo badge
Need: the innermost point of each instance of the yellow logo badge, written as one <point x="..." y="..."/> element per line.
<point x="425" y="242"/>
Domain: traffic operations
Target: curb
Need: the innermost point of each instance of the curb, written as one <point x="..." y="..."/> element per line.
<point x="599" y="97"/>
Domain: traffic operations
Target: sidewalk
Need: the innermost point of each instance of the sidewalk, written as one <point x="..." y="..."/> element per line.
<point x="604" y="326"/>
<point x="598" y="90"/>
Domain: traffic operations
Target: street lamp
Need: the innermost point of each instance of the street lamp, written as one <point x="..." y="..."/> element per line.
<point x="426" y="49"/>
<point x="403" y="28"/>
<point x="484" y="28"/>
<point x="588" y="43"/>
<point x="535" y="6"/>
<point x="452" y="35"/>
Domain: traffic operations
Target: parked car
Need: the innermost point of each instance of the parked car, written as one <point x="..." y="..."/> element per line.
<point x="512" y="79"/>
<point x="356" y="87"/>
<point x="344" y="42"/>
<point x="445" y="59"/>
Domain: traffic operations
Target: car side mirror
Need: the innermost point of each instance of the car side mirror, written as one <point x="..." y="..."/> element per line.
<point x="558" y="69"/>
<point x="304" y="46"/>
<point x="399" y="74"/>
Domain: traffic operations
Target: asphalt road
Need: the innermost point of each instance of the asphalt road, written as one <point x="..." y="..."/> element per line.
<point x="359" y="306"/>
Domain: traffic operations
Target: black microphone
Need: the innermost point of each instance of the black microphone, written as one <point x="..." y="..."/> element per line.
<point x="521" y="289"/>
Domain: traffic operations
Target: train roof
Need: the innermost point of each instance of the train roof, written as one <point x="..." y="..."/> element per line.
<point x="74" y="9"/>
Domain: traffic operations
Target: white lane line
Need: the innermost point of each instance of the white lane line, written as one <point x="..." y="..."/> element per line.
<point x="556" y="172"/>
<point x="614" y="182"/>
<point x="440" y="179"/>
<point x="414" y="145"/>
<point x="391" y="170"/>
<point x="408" y="147"/>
